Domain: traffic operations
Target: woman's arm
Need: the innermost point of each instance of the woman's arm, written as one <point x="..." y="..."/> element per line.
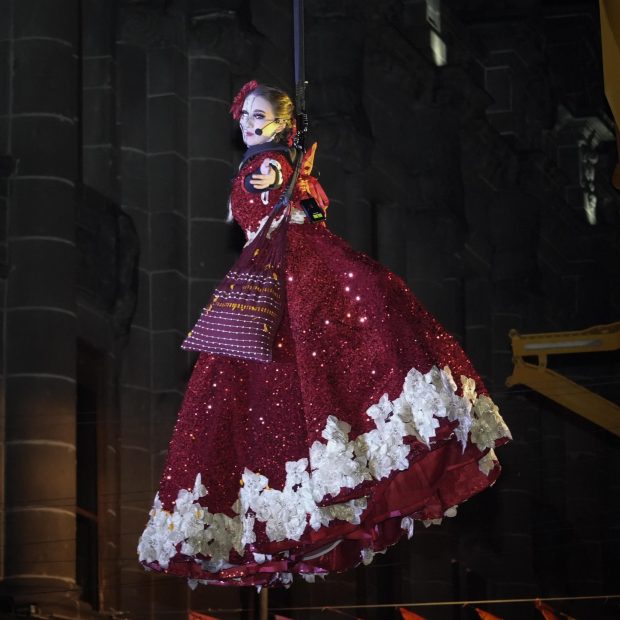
<point x="268" y="177"/>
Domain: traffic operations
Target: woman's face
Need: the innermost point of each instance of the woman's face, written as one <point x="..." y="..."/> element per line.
<point x="257" y="114"/>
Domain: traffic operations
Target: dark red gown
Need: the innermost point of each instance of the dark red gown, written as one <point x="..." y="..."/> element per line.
<point x="369" y="418"/>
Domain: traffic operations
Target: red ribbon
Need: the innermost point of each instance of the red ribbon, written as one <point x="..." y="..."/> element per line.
<point x="312" y="187"/>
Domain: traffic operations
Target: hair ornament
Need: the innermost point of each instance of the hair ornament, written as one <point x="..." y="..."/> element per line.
<point x="237" y="103"/>
<point x="291" y="137"/>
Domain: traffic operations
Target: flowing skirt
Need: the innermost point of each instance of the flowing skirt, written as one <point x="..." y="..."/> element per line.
<point x="369" y="418"/>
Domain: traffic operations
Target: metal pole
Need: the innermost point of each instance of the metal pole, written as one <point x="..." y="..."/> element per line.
<point x="300" y="71"/>
<point x="300" y="97"/>
<point x="299" y="55"/>
<point x="264" y="603"/>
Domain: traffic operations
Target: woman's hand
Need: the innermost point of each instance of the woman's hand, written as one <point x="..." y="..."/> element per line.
<point x="266" y="178"/>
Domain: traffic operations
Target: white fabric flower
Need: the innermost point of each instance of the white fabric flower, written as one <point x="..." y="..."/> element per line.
<point x="487" y="426"/>
<point x="350" y="511"/>
<point x="385" y="451"/>
<point x="333" y="466"/>
<point x="252" y="487"/>
<point x="382" y="410"/>
<point x="462" y="413"/>
<point x="469" y="388"/>
<point x="286" y="579"/>
<point x="450" y="512"/>
<point x="407" y="524"/>
<point x="456" y="408"/>
<point x="214" y="566"/>
<point x="336" y="431"/>
<point x="182" y="529"/>
<point x="488" y="462"/>
<point x="402" y="411"/>
<point x="421" y="396"/>
<point x="367" y="555"/>
<point x="296" y="474"/>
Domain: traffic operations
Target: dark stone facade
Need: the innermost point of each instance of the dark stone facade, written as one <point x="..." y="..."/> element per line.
<point x="459" y="142"/>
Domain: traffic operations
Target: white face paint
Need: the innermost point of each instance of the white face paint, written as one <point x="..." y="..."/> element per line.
<point x="258" y="113"/>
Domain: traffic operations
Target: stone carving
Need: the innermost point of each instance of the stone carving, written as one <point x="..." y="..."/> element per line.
<point x="108" y="250"/>
<point x="151" y="27"/>
<point x="219" y="33"/>
<point x="588" y="158"/>
<point x="7" y="166"/>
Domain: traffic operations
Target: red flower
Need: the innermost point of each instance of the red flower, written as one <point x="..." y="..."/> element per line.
<point x="291" y="137"/>
<point x="237" y="103"/>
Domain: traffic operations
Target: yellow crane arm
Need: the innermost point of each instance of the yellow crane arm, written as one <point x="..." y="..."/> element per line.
<point x="554" y="385"/>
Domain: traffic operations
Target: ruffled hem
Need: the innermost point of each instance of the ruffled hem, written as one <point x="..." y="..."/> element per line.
<point x="428" y="491"/>
<point x="431" y="449"/>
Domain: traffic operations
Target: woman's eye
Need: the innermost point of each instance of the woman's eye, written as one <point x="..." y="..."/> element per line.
<point x="259" y="117"/>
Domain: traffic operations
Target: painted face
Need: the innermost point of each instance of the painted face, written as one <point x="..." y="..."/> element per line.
<point x="257" y="113"/>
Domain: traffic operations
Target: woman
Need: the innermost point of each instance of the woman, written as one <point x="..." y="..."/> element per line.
<point x="369" y="417"/>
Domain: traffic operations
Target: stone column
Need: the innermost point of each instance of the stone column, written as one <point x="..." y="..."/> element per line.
<point x="6" y="168"/>
<point x="102" y="233"/>
<point x="211" y="45"/>
<point x="136" y="493"/>
<point x="165" y="265"/>
<point x="39" y="563"/>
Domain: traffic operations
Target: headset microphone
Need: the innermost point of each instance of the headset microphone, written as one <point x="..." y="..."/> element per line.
<point x="259" y="131"/>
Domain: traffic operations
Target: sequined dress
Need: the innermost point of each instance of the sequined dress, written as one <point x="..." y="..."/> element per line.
<point x="370" y="418"/>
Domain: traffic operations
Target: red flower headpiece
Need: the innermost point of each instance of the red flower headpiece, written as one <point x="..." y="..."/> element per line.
<point x="237" y="104"/>
<point x="291" y="137"/>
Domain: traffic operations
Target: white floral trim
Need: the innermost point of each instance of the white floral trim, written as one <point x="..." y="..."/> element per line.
<point x="450" y="512"/>
<point x="333" y="465"/>
<point x="407" y="524"/>
<point x="487" y="425"/>
<point x="488" y="462"/>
